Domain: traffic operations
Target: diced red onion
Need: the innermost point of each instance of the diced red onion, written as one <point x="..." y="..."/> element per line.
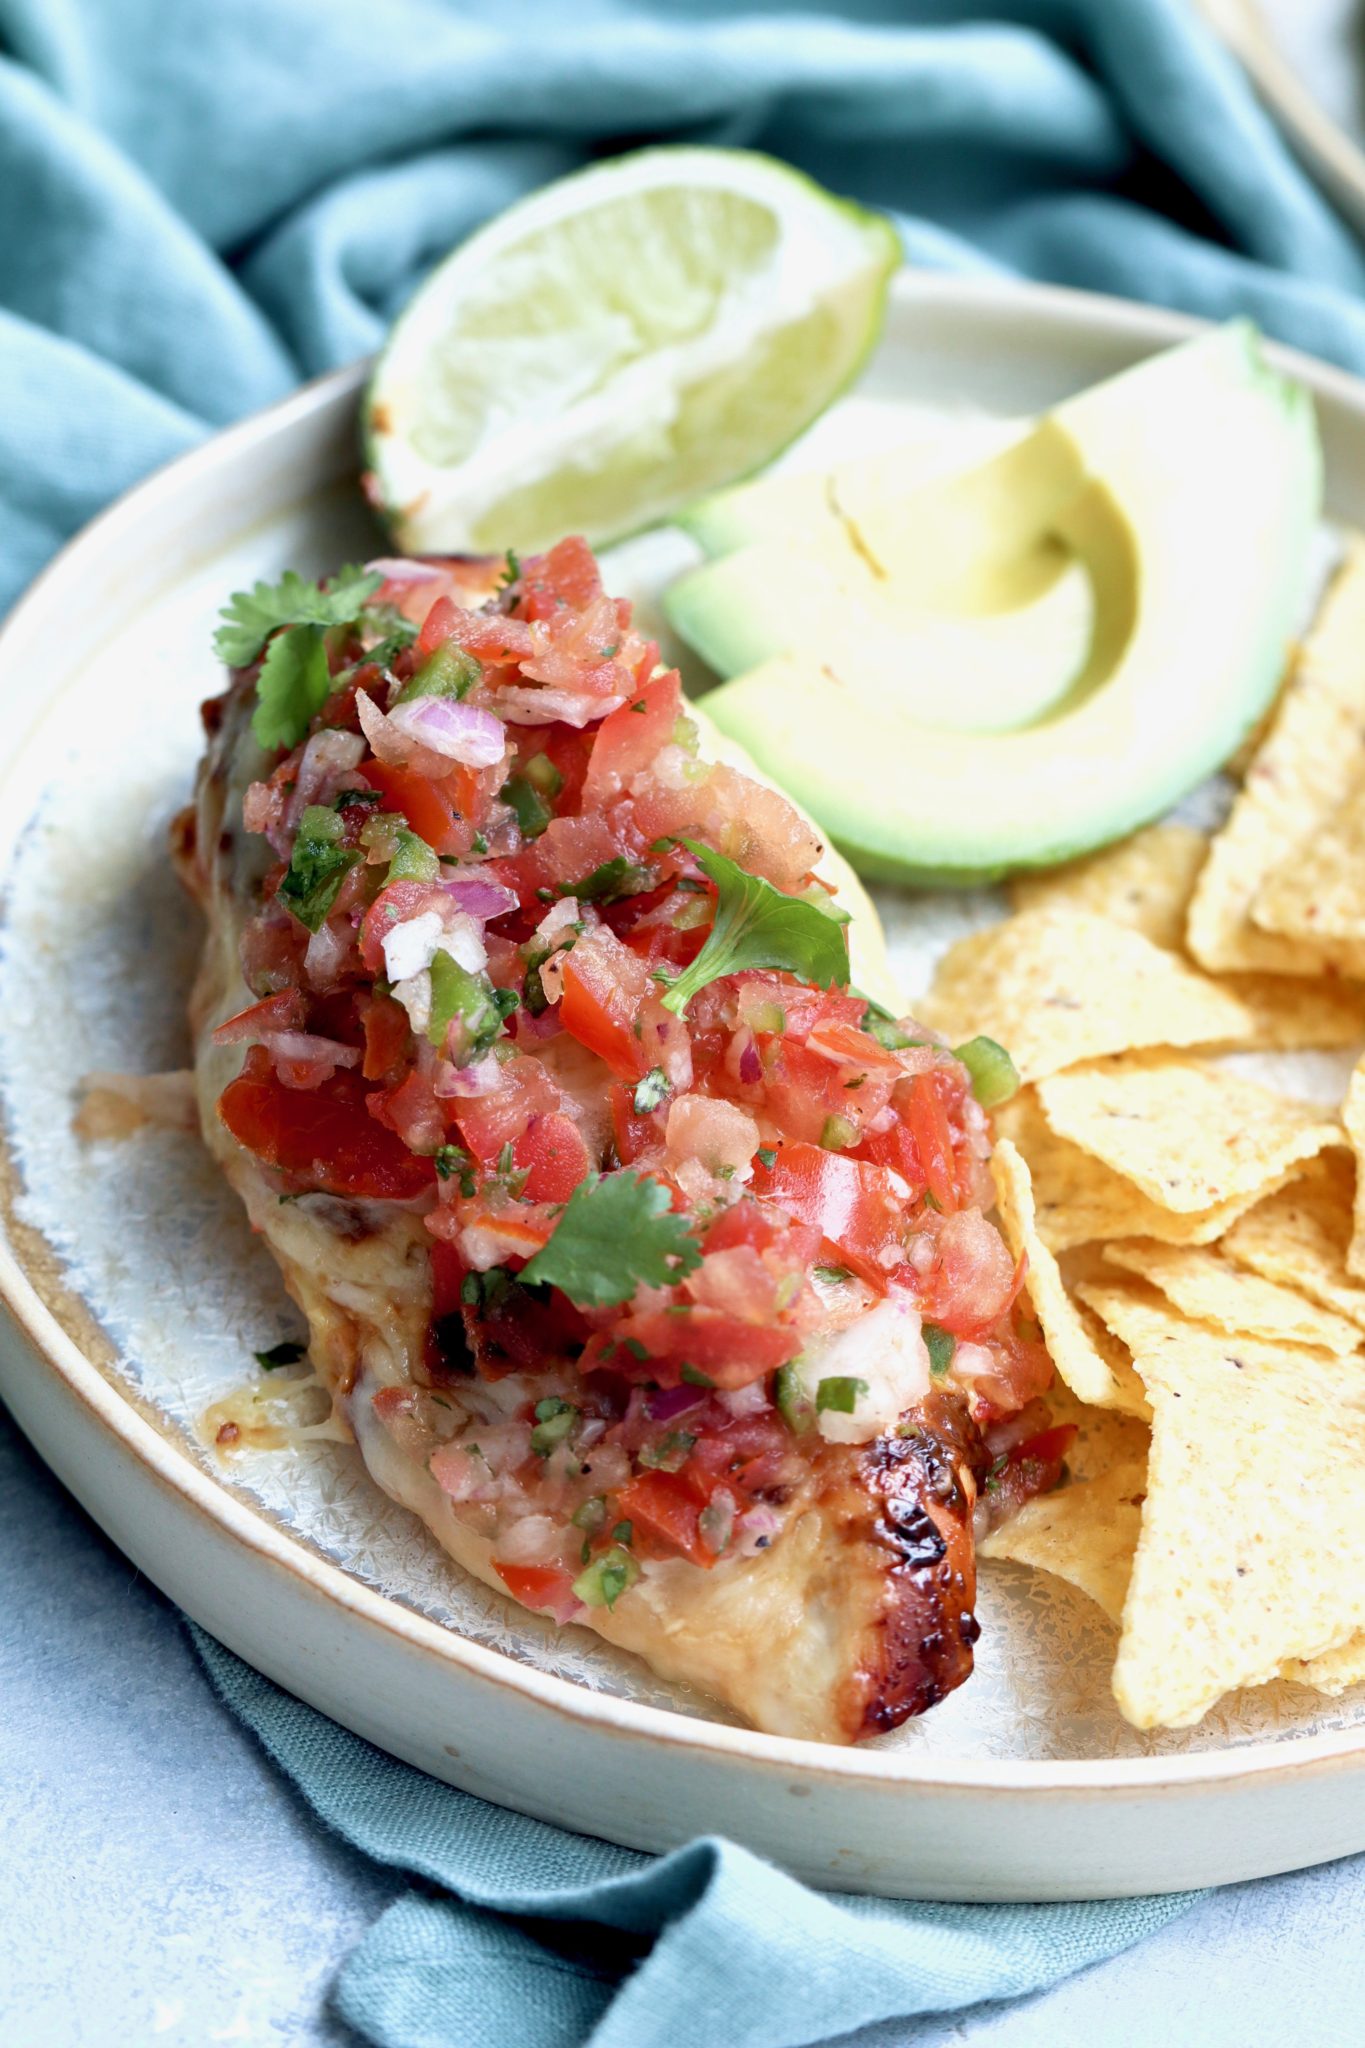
<point x="740" y="1401"/>
<point x="458" y="732"/>
<point x="755" y="1530"/>
<point x="520" y="706"/>
<point x="750" y="1065"/>
<point x="395" y="748"/>
<point x="529" y="1030"/>
<point x="327" y="757"/>
<point x="482" y="1078"/>
<point x="399" y="569"/>
<point x="480" y="898"/>
<point x="675" y="1401"/>
<point x="326" y="953"/>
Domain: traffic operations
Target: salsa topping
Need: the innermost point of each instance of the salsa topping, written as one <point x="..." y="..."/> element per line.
<point x="524" y="961"/>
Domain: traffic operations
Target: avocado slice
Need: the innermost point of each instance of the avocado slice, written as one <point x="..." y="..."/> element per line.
<point x="1185" y="492"/>
<point x="964" y="577"/>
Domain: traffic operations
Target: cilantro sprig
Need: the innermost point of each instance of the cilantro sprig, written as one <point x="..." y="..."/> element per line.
<point x="616" y="1234"/>
<point x="295" y="680"/>
<point x="251" y="616"/>
<point x="757" y="926"/>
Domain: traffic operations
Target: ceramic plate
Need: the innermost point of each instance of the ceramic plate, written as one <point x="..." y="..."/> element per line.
<point x="137" y="1294"/>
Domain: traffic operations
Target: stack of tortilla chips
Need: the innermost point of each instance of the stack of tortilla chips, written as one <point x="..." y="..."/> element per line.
<point x="1195" y="1239"/>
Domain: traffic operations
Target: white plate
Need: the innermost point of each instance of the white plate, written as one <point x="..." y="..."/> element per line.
<point x="136" y="1292"/>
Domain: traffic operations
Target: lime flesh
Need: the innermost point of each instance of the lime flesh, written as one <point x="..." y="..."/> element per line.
<point x="617" y="344"/>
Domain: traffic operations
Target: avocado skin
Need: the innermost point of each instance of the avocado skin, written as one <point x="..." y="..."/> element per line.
<point x="946" y="810"/>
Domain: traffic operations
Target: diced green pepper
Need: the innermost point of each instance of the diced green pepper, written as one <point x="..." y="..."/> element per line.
<point x="995" y="1078"/>
<point x="838" y="1395"/>
<point x="318" y="866"/>
<point x="606" y="1578"/>
<point x="449" y="672"/>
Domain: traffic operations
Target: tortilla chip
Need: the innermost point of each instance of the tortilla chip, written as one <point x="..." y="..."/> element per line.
<point x="1078" y="1199"/>
<point x="1096" y="1368"/>
<point x="1252" y="1549"/>
<point x="1290" y="1014"/>
<point x="1210" y="1289"/>
<point x="1056" y="987"/>
<point x="1144" y="882"/>
<point x="1188" y="1133"/>
<point x="1353" y="1116"/>
<point x="1313" y="755"/>
<point x="1298" y="1237"/>
<point x="1334" y="1672"/>
<point x="1318" y="895"/>
<point x="1086" y="1530"/>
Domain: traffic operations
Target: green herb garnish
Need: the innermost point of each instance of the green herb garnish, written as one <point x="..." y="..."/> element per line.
<point x="940" y="1344"/>
<point x="615" y="878"/>
<point x="606" y="1578"/>
<point x="757" y="926"/>
<point x="251" y="616"/>
<point x="651" y="1091"/>
<point x="317" y="868"/>
<point x="292" y="687"/>
<point x="617" y="1233"/>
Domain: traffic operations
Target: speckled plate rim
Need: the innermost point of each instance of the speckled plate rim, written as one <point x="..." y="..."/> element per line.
<point x="41" y="1308"/>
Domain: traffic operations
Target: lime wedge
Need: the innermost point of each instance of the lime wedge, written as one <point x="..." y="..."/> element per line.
<point x="617" y="343"/>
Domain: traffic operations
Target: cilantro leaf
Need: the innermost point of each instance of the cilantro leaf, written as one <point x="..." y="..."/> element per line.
<point x="251" y="616"/>
<point x="318" y="866"/>
<point x="294" y="684"/>
<point x="616" y="1234"/>
<point x="757" y="926"/>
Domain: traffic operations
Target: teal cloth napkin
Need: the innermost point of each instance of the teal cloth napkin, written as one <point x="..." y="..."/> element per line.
<point x="522" y="1936"/>
<point x="201" y="203"/>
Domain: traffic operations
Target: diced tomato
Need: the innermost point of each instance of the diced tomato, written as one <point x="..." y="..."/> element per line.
<point x="731" y="1350"/>
<point x="748" y="822"/>
<point x="553" y="1154"/>
<point x="928" y="1122"/>
<point x="447" y="1278"/>
<point x="662" y="1506"/>
<point x="488" y="1122"/>
<point x="631" y="738"/>
<point x="277" y="1013"/>
<point x="567" y="851"/>
<point x="973" y="1280"/>
<point x="429" y="807"/>
<point x="565" y="576"/>
<point x="850" y="1201"/>
<point x="802" y="1091"/>
<point x="388" y="1036"/>
<point x="413" y="1110"/>
<point x="1050" y="1447"/>
<point x="606" y="991"/>
<point x="437" y="626"/>
<point x="324" y="1137"/>
<point x="633" y="1135"/>
<point x="546" y="1587"/>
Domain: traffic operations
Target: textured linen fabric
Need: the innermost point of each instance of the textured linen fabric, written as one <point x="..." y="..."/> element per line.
<point x="541" y="1939"/>
<point x="202" y="202"/>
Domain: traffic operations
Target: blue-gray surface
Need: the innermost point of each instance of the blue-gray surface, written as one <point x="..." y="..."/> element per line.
<point x="160" y="1885"/>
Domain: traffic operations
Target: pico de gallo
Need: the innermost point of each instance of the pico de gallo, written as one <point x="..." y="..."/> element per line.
<point x="524" y="962"/>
